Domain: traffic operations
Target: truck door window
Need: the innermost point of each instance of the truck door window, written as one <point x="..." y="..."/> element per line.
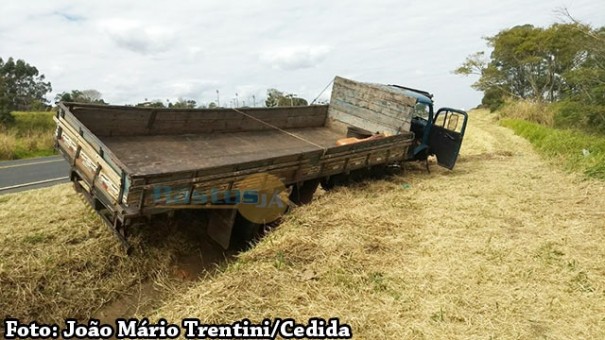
<point x="440" y="121"/>
<point x="452" y="123"/>
<point x="449" y="120"/>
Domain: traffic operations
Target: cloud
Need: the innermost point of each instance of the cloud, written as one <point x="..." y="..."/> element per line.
<point x="295" y="57"/>
<point x="69" y="16"/>
<point x="190" y="88"/>
<point x="131" y="50"/>
<point x="135" y="37"/>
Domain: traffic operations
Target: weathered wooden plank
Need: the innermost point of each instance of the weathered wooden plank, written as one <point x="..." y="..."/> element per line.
<point x="374" y="125"/>
<point x="370" y="90"/>
<point x="118" y="121"/>
<point x="372" y="98"/>
<point x="370" y="106"/>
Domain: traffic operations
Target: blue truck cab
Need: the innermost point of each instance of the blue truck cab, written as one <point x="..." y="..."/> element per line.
<point x="437" y="134"/>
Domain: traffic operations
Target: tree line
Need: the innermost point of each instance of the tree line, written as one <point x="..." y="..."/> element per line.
<point x="24" y="88"/>
<point x="561" y="66"/>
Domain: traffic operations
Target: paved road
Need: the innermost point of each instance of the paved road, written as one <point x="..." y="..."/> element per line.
<point x="26" y="174"/>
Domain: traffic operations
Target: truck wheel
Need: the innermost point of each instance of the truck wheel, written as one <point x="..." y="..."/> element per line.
<point x="244" y="233"/>
<point x="328" y="183"/>
<point x="378" y="171"/>
<point x="303" y="193"/>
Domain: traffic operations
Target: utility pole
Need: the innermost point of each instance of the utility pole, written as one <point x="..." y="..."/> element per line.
<point x="218" y="99"/>
<point x="236" y="100"/>
<point x="253" y="101"/>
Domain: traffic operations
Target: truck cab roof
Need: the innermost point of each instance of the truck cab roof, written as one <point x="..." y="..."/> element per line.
<point x="422" y="97"/>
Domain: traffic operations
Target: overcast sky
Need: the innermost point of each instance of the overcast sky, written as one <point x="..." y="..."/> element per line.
<point x="132" y="50"/>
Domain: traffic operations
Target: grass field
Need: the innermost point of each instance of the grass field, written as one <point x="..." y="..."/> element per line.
<point x="30" y="136"/>
<point x="575" y="150"/>
<point x="505" y="246"/>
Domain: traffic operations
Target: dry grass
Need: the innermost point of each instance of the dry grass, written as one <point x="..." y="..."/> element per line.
<point x="8" y="145"/>
<point x="540" y="113"/>
<point x="504" y="246"/>
<point x="58" y="260"/>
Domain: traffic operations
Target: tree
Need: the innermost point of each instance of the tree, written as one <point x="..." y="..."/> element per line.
<point x="85" y="96"/>
<point x="277" y="98"/>
<point x="183" y="104"/>
<point x="154" y="103"/>
<point x="22" y="87"/>
<point x="527" y="62"/>
<point x="560" y="67"/>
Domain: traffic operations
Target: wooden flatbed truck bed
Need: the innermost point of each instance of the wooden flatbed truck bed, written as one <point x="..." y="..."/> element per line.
<point x="124" y="158"/>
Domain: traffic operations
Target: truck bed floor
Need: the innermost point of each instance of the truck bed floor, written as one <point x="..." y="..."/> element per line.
<point x="156" y="154"/>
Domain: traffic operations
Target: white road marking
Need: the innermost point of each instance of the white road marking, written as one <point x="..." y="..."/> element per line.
<point x="33" y="183"/>
<point x="32" y="163"/>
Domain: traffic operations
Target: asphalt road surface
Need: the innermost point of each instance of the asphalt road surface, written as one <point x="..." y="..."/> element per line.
<point x="26" y="174"/>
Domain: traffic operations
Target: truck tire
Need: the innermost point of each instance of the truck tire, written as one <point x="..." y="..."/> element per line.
<point x="328" y="183"/>
<point x="244" y="233"/>
<point x="303" y="193"/>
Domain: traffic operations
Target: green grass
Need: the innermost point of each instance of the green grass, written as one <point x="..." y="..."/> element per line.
<point x="30" y="136"/>
<point x="564" y="146"/>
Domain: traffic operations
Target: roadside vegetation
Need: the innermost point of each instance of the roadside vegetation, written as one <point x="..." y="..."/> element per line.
<point x="507" y="247"/>
<point x="548" y="85"/>
<point x="30" y="135"/>
<point x="560" y="68"/>
<point x="573" y="149"/>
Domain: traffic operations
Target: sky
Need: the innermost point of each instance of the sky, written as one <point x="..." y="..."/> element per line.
<point x="131" y="51"/>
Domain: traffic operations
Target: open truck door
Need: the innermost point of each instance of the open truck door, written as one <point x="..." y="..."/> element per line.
<point x="446" y="134"/>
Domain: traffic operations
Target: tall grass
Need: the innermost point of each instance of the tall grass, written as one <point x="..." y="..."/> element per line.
<point x="564" y="114"/>
<point x="30" y="136"/>
<point x="574" y="149"/>
<point x="540" y="113"/>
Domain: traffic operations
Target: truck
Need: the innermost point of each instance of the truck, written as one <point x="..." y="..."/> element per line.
<point x="245" y="167"/>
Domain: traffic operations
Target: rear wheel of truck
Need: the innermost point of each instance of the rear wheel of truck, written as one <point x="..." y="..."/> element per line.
<point x="244" y="233"/>
<point x="303" y="193"/>
<point x="378" y="171"/>
<point x="328" y="183"/>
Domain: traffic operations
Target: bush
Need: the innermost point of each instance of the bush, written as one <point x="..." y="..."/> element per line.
<point x="493" y="99"/>
<point x="6" y="119"/>
<point x="578" y="115"/>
